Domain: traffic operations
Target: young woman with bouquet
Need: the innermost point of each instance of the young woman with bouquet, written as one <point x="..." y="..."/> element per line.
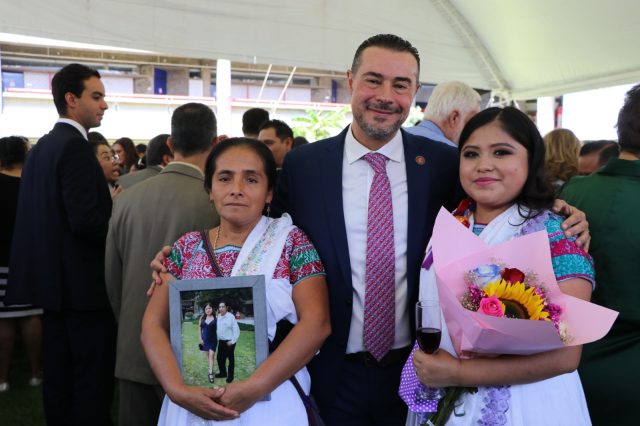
<point x="502" y="173"/>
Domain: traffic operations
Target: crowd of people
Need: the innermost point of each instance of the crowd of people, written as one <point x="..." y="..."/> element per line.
<point x="340" y="229"/>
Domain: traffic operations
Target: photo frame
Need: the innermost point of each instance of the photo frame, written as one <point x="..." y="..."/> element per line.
<point x="245" y="298"/>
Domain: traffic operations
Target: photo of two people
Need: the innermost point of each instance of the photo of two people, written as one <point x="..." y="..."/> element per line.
<point x="217" y="331"/>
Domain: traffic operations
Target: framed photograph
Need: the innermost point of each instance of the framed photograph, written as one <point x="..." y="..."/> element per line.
<point x="205" y="315"/>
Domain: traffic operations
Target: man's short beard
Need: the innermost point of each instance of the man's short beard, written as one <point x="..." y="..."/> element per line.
<point x="376" y="133"/>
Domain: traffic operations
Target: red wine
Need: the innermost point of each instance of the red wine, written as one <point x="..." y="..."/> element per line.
<point x="429" y="339"/>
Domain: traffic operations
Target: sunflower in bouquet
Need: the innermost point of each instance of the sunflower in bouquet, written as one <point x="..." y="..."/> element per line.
<point x="499" y="291"/>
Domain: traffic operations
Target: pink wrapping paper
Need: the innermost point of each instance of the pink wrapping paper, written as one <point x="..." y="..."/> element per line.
<point x="456" y="250"/>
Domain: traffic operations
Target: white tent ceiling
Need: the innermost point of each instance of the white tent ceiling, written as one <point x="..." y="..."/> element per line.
<point x="522" y="48"/>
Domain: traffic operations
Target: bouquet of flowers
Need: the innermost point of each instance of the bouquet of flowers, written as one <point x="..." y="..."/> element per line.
<point x="503" y="292"/>
<point x="488" y="301"/>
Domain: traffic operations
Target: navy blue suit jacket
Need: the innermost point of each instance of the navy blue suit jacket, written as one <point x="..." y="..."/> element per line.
<point x="309" y="188"/>
<point x="57" y="254"/>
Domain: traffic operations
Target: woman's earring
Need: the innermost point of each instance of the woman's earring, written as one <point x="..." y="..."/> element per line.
<point x="268" y="210"/>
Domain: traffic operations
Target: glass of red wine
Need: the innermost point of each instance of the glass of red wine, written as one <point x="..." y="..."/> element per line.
<point x="428" y="329"/>
<point x="428" y="333"/>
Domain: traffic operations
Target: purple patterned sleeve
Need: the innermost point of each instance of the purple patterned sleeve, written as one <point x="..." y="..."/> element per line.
<point x="410" y="389"/>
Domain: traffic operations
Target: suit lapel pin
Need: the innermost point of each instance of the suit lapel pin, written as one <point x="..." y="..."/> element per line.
<point x="420" y="160"/>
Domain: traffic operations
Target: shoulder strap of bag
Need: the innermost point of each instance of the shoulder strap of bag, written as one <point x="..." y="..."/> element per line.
<point x="212" y="258"/>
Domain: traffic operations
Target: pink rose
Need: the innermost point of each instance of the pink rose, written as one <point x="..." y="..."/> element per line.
<point x="491" y="306"/>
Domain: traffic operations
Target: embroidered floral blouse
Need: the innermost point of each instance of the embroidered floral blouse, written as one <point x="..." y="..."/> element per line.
<point x="188" y="259"/>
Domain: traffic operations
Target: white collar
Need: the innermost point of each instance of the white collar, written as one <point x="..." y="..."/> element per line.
<point x="354" y="150"/>
<point x="74" y="124"/>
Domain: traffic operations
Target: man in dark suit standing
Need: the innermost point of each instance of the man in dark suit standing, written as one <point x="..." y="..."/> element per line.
<point x="57" y="255"/>
<point x="368" y="198"/>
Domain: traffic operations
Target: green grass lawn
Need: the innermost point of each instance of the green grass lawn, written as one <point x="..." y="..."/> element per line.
<point x="195" y="361"/>
<point x="22" y="404"/>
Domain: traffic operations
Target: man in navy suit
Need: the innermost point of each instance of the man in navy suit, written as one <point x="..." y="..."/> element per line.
<point x="325" y="188"/>
<point x="57" y="255"/>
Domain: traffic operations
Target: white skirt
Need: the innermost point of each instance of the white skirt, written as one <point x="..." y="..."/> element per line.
<point x="284" y="408"/>
<point x="557" y="401"/>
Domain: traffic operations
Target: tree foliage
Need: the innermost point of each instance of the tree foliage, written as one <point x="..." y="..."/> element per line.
<point x="317" y="125"/>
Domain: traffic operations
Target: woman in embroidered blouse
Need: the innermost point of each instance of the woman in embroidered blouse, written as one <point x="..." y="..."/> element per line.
<point x="502" y="171"/>
<point x="239" y="176"/>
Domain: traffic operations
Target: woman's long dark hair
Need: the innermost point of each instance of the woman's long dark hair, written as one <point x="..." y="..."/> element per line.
<point x="131" y="155"/>
<point x="204" y="314"/>
<point x="537" y="194"/>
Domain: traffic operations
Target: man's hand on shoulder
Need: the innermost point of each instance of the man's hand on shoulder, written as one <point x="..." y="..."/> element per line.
<point x="575" y="224"/>
<point x="157" y="267"/>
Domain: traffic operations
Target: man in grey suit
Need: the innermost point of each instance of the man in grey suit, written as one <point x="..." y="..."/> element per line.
<point x="146" y="217"/>
<point x="158" y="156"/>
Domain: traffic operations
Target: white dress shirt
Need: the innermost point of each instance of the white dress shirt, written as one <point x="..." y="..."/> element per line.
<point x="227" y="328"/>
<point x="357" y="176"/>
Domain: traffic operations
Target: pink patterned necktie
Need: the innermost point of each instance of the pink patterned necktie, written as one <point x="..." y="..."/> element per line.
<point x="380" y="275"/>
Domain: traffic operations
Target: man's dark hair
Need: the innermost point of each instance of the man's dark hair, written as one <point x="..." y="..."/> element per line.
<point x="141" y="148"/>
<point x="386" y="41"/>
<point x="537" y="193"/>
<point x="607" y="153"/>
<point x="70" y="79"/>
<point x="629" y="122"/>
<point x="157" y="149"/>
<point x="590" y="147"/>
<point x="13" y="151"/>
<point x="252" y="119"/>
<point x="281" y="128"/>
<point x="193" y="128"/>
<point x="299" y="141"/>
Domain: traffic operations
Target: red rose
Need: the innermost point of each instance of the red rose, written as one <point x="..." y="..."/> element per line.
<point x="512" y="275"/>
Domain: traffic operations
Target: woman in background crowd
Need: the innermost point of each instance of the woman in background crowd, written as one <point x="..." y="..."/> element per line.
<point x="107" y="161"/>
<point x="561" y="159"/>
<point x="126" y="153"/>
<point x="13" y="152"/>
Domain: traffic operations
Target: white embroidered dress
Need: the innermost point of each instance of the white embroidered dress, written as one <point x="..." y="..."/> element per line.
<point x="556" y="401"/>
<point x="259" y="256"/>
